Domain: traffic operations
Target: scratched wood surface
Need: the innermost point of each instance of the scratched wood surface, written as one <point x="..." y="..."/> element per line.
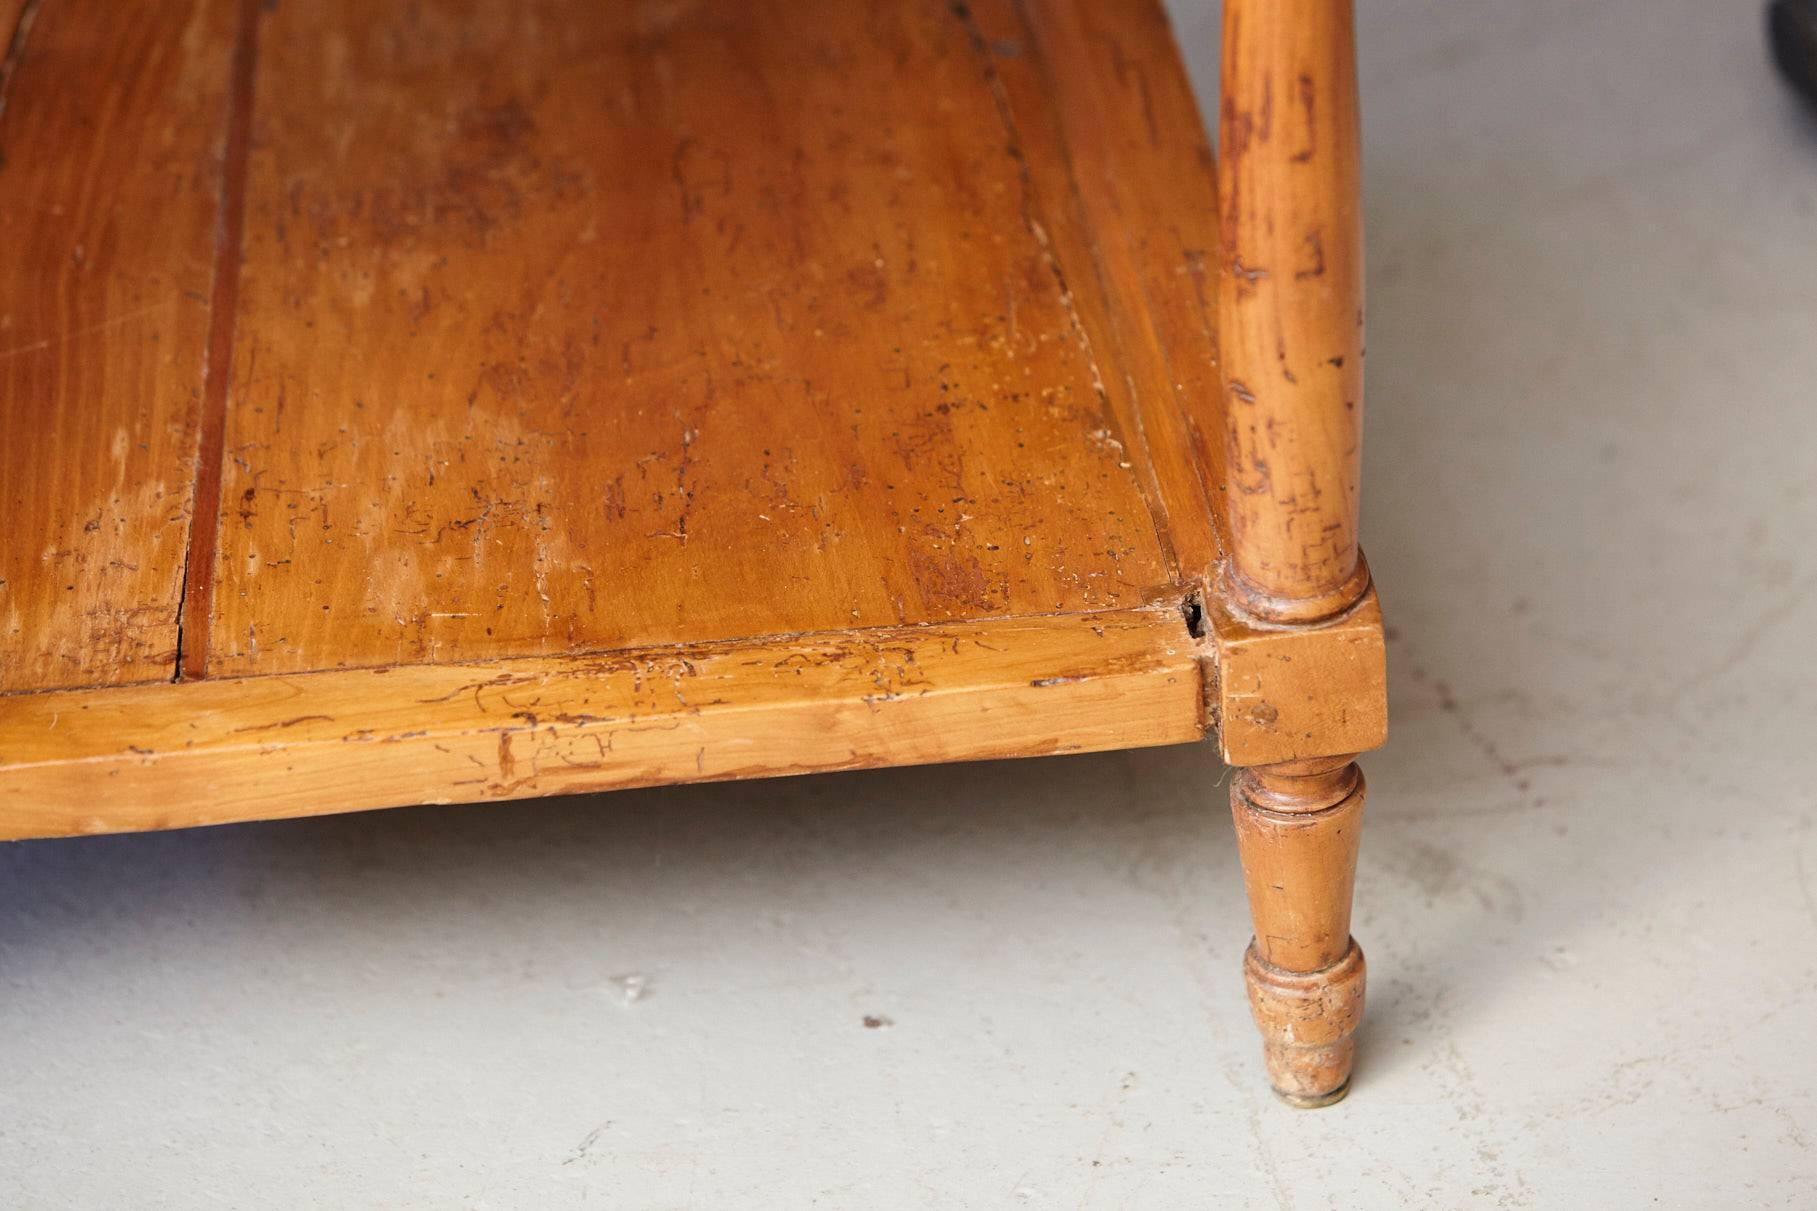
<point x="109" y="175"/>
<point x="568" y="326"/>
<point x="213" y="751"/>
<point x="560" y="342"/>
<point x="1290" y="305"/>
<point x="574" y="327"/>
<point x="1129" y="186"/>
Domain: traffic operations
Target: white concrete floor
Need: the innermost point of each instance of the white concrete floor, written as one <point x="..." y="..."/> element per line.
<point x="1588" y="888"/>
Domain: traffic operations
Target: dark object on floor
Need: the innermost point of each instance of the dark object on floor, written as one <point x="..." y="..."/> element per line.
<point x="1792" y="27"/>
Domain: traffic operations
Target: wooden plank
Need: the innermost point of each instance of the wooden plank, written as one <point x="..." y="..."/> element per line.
<point x="1119" y="158"/>
<point x="109" y="179"/>
<point x="215" y="751"/>
<point x="569" y="326"/>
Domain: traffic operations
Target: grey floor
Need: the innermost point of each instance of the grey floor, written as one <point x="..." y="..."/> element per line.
<point x="1588" y="887"/>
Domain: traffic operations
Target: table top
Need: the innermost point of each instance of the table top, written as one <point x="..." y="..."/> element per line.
<point x="357" y="336"/>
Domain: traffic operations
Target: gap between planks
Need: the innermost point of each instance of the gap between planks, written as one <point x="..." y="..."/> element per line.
<point x="195" y="605"/>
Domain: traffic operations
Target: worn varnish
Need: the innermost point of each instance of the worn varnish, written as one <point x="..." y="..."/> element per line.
<point x="1133" y="190"/>
<point x="1300" y="676"/>
<point x="441" y="401"/>
<point x="566" y="327"/>
<point x="1290" y="305"/>
<point x="262" y="747"/>
<point x="109" y="178"/>
<point x="1297" y="831"/>
<point x="565" y="330"/>
<point x="1286" y="693"/>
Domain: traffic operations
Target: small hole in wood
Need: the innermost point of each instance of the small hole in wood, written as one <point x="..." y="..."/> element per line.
<point x="1193" y="609"/>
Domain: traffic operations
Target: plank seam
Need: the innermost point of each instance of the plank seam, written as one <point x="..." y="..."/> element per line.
<point x="195" y="604"/>
<point x="1168" y="603"/>
<point x="981" y="48"/>
<point x="1157" y="498"/>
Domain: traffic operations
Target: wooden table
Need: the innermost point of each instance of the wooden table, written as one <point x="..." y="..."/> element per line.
<point x="445" y="401"/>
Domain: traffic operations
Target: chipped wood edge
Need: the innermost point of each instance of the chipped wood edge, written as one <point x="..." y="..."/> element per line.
<point x="210" y="752"/>
<point x="1285" y="693"/>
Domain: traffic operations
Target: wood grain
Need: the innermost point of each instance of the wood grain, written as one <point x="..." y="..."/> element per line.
<point x="1299" y="668"/>
<point x="606" y="395"/>
<point x="223" y="305"/>
<point x="568" y="327"/>
<point x="1290" y="305"/>
<point x="109" y="180"/>
<point x="1285" y="693"/>
<point x="1298" y="826"/>
<point x="1134" y="189"/>
<point x="1308" y="1022"/>
<point x="214" y="751"/>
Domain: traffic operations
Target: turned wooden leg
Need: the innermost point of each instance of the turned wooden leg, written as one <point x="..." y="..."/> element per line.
<point x="1297" y="829"/>
<point x="1290" y="317"/>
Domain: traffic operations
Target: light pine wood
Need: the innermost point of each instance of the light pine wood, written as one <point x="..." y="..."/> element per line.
<point x="566" y="326"/>
<point x="1291" y="305"/>
<point x="1117" y="154"/>
<point x="1280" y="693"/>
<point x="262" y="747"/>
<point x="429" y="402"/>
<point x="1297" y="831"/>
<point x="1299" y="659"/>
<point x="109" y="178"/>
<point x="521" y="340"/>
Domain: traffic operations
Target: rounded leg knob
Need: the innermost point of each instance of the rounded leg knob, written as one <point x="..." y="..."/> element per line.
<point x="1308" y="1022"/>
